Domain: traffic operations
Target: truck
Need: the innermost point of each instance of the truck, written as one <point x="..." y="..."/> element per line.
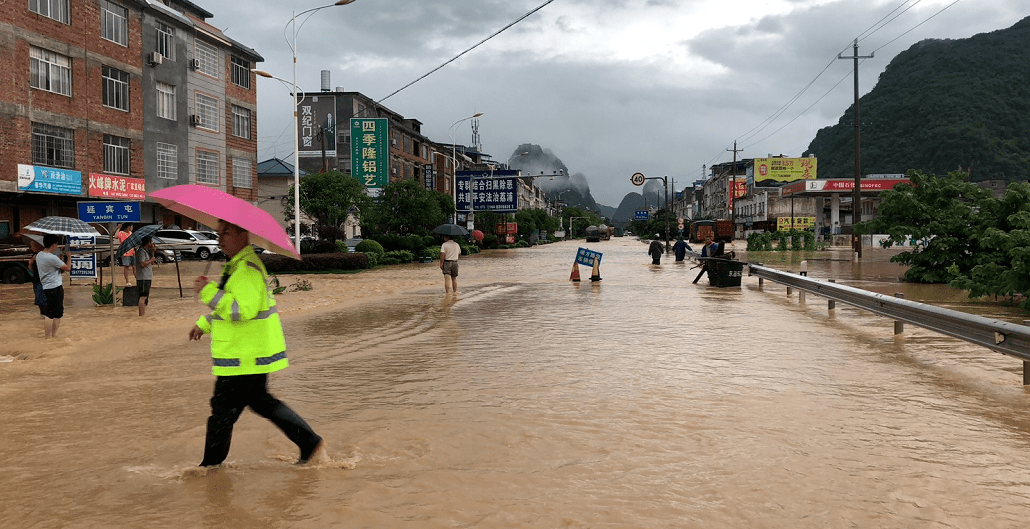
<point x="14" y="263"/>
<point x="718" y="230"/>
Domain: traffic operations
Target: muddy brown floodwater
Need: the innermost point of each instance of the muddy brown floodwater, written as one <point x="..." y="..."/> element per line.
<point x="640" y="401"/>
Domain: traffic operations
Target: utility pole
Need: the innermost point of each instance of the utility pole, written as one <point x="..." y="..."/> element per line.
<point x="856" y="202"/>
<point x="733" y="191"/>
<point x="665" y="180"/>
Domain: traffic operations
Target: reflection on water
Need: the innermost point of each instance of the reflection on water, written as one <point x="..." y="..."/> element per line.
<point x="529" y="401"/>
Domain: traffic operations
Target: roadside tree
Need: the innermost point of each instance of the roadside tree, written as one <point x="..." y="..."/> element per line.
<point x="328" y="198"/>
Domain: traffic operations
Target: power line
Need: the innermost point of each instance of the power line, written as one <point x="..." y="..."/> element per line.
<point x="916" y="26"/>
<point x="869" y="31"/>
<point x="456" y="57"/>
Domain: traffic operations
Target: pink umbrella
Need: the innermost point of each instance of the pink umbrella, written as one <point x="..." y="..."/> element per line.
<point x="209" y="205"/>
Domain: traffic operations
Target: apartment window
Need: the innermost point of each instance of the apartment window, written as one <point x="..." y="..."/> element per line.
<point x="167" y="160"/>
<point x="114" y="22"/>
<point x="166" y="41"/>
<point x="240" y="71"/>
<point x="116" y="88"/>
<point x="207" y="112"/>
<point x="50" y="71"/>
<point x="53" y="146"/>
<point x="165" y="101"/>
<point x="58" y="10"/>
<point x="241" y="122"/>
<point x="207" y="59"/>
<point x="207" y="167"/>
<point x="116" y="154"/>
<point x="241" y="173"/>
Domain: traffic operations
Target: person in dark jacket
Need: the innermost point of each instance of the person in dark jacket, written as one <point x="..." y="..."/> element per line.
<point x="680" y="249"/>
<point x="655" y="250"/>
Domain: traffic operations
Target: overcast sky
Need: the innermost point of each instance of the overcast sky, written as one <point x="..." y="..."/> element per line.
<point x="612" y="87"/>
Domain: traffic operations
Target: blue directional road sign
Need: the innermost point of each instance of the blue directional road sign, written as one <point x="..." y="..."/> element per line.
<point x="586" y="257"/>
<point x="109" y="211"/>
<point x="642" y="214"/>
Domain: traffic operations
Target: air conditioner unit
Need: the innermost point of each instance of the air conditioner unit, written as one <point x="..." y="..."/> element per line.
<point x="194" y="64"/>
<point x="194" y="120"/>
<point x="155" y="58"/>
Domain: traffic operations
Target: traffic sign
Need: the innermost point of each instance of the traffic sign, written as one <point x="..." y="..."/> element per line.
<point x="109" y="211"/>
<point x="637" y="179"/>
<point x="642" y="214"/>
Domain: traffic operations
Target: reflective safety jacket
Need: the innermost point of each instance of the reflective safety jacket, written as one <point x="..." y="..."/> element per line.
<point x="246" y="334"/>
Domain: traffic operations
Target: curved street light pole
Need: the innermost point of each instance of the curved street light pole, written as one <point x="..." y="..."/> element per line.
<point x="296" y="118"/>
<point x="454" y="162"/>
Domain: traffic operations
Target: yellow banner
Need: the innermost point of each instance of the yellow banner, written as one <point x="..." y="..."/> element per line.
<point x="785" y="169"/>
<point x="800" y="223"/>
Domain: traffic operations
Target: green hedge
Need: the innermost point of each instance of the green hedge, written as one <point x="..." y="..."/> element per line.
<point x="315" y="262"/>
<point x="401" y="256"/>
<point x="370" y="246"/>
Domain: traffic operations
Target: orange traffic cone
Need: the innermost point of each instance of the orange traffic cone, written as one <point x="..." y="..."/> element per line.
<point x="575" y="273"/>
<point x="596" y="274"/>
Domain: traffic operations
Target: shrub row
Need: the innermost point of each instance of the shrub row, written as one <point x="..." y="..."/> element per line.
<point x="315" y="262"/>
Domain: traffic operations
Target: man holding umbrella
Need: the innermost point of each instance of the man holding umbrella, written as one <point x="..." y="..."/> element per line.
<point x="247" y="344"/>
<point x="449" y="252"/>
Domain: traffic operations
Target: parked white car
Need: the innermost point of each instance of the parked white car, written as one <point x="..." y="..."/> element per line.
<point x="190" y="242"/>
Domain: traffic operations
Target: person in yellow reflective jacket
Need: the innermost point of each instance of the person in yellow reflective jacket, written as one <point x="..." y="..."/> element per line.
<point x="247" y="343"/>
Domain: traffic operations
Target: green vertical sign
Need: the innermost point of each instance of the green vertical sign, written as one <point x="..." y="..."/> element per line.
<point x="370" y="151"/>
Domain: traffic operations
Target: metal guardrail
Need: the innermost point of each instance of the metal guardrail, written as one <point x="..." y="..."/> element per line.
<point x="1007" y="338"/>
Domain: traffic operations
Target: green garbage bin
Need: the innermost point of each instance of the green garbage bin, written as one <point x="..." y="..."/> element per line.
<point x="724" y="273"/>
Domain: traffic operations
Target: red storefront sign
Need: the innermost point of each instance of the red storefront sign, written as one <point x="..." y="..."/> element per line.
<point x="512" y="228"/>
<point x="841" y="185"/>
<point x="109" y="186"/>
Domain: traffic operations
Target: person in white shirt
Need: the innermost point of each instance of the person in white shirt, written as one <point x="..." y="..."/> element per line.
<point x="50" y="268"/>
<point x="449" y="252"/>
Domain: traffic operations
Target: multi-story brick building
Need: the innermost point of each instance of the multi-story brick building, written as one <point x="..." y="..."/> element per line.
<point x="97" y="99"/>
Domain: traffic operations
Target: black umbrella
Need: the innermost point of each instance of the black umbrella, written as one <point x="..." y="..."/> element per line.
<point x="134" y="239"/>
<point x="452" y="230"/>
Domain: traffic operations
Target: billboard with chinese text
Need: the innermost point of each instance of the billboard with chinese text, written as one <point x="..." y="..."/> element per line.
<point x="799" y="223"/>
<point x="36" y="178"/>
<point x="84" y="264"/>
<point x="784" y="169"/>
<point x="108" y="186"/>
<point x="316" y="120"/>
<point x="485" y="191"/>
<point x="370" y="151"/>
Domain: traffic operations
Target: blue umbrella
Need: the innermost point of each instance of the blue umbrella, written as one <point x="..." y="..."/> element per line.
<point x="134" y="239"/>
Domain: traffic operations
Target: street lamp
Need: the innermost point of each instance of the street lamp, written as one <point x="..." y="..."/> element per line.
<point x="454" y="163"/>
<point x="296" y="104"/>
<point x="510" y="158"/>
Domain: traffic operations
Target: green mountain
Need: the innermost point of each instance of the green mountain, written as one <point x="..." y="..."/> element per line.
<point x="940" y="106"/>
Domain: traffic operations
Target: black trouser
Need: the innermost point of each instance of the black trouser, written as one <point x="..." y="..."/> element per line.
<point x="234" y="393"/>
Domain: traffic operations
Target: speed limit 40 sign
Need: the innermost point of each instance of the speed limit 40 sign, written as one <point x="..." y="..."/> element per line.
<point x="637" y="179"/>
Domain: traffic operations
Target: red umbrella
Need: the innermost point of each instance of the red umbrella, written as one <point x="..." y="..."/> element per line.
<point x="209" y="205"/>
<point x="477" y="235"/>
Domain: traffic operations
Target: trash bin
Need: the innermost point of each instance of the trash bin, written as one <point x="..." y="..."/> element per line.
<point x="724" y="273"/>
<point x="130" y="296"/>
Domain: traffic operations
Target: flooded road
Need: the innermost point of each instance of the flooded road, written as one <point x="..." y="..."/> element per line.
<point x="639" y="401"/>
